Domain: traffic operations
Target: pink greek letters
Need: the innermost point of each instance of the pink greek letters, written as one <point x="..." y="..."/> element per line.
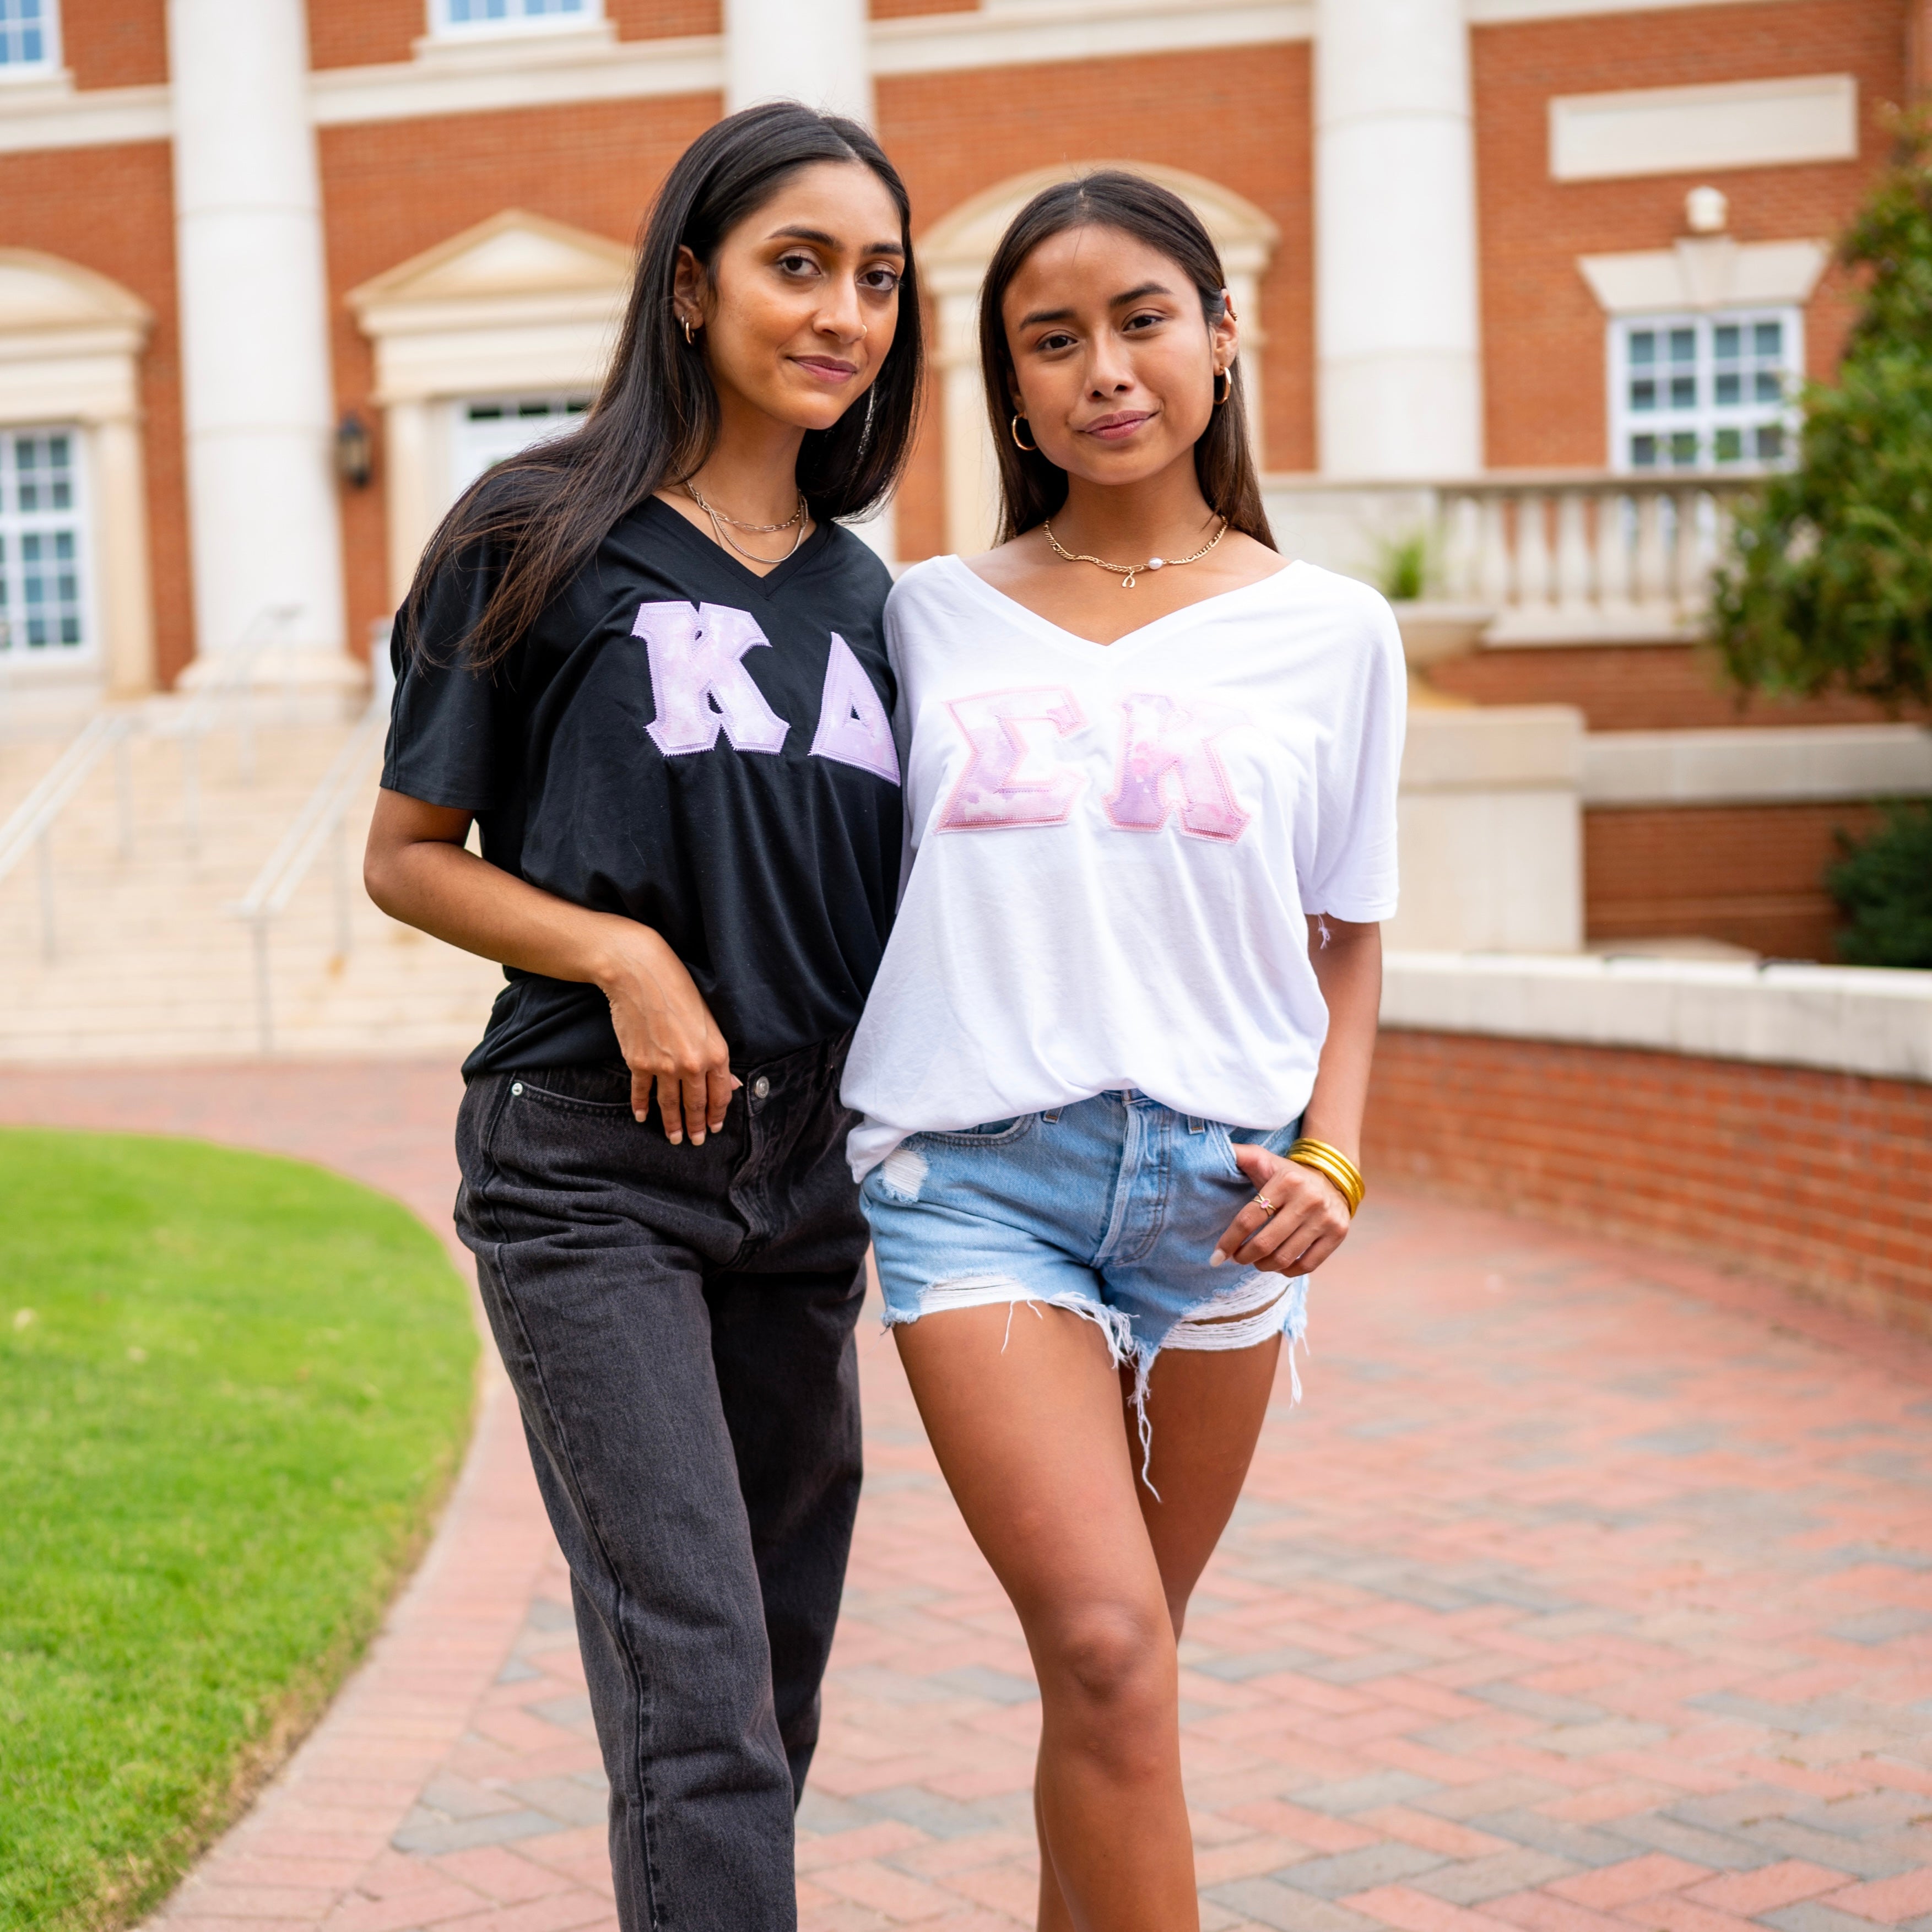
<point x="1168" y="760"/>
<point x="699" y="682"/>
<point x="1012" y="779"/>
<point x="853" y="726"/>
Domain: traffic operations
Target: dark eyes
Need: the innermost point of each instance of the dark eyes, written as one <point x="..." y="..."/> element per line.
<point x="1049" y="345"/>
<point x="884" y="281"/>
<point x="879" y="281"/>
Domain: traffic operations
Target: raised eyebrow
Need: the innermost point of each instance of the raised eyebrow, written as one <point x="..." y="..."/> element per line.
<point x="832" y="241"/>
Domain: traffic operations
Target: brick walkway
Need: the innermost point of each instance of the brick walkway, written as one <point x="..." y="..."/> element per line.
<point x="1588" y="1592"/>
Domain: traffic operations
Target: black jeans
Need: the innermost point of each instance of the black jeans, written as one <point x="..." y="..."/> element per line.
<point x="678" y="1322"/>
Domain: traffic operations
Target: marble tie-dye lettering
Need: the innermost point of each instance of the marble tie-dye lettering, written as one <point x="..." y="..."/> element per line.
<point x="699" y="682"/>
<point x="1009" y="780"/>
<point x="853" y="726"/>
<point x="1168" y="758"/>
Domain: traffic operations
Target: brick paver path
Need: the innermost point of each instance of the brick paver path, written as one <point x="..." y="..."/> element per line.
<point x="1587" y="1592"/>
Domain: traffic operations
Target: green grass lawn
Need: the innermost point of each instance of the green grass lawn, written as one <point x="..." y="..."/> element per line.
<point x="232" y="1390"/>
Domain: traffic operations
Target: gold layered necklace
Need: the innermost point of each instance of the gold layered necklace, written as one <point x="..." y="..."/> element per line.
<point x="723" y="525"/>
<point x="1127" y="572"/>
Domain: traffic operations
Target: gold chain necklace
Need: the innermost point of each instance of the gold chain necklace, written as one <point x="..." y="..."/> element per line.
<point x="1127" y="572"/>
<point x="719" y="521"/>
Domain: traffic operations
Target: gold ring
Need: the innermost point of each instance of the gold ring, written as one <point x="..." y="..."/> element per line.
<point x="1262" y="1201"/>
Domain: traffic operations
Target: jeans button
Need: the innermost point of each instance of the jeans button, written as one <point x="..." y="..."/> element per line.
<point x="761" y="1088"/>
<point x="516" y="1086"/>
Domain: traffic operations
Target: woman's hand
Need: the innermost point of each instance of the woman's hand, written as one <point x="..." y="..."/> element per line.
<point x="417" y="870"/>
<point x="1310" y="1220"/>
<point x="669" y="1040"/>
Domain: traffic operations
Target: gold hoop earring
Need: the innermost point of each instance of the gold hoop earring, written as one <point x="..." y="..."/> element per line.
<point x="690" y="339"/>
<point x="1030" y="448"/>
<point x="1223" y="377"/>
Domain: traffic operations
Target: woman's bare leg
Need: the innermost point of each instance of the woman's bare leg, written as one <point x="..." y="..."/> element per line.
<point x="1023" y="1407"/>
<point x="1211" y="1406"/>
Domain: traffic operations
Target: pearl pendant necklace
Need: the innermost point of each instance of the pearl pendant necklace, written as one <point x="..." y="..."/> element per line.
<point x="1127" y="572"/>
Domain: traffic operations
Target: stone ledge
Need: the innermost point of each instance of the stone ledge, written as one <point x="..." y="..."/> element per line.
<point x="1848" y="1019"/>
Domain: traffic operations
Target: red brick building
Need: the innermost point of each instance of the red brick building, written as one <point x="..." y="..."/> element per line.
<point x="1473" y="239"/>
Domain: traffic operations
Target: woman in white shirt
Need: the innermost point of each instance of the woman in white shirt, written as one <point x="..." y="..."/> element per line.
<point x="1122" y="1032"/>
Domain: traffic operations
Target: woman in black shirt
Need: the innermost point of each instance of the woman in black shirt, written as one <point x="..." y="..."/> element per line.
<point x="647" y="664"/>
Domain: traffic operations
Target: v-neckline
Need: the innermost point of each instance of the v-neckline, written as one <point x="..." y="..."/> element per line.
<point x="714" y="551"/>
<point x="1059" y="634"/>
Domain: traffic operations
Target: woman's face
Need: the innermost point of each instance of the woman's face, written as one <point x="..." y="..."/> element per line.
<point x="802" y="300"/>
<point x="1114" y="363"/>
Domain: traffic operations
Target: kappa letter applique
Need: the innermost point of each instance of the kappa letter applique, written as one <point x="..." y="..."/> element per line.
<point x="699" y="681"/>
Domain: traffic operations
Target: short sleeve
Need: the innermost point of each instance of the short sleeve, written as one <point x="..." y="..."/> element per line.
<point x="448" y="742"/>
<point x="1354" y="874"/>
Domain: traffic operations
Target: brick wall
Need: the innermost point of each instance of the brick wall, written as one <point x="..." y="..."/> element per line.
<point x="1823" y="1180"/>
<point x="1543" y="333"/>
<point x="114" y="42"/>
<point x="1639" y="688"/>
<point x="360" y="33"/>
<point x="1751" y="874"/>
<point x="1240" y="118"/>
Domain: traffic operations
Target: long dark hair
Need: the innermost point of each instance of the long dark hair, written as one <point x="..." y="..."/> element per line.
<point x="1031" y="487"/>
<point x="655" y="417"/>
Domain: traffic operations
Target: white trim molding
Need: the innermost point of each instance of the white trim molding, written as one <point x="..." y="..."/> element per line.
<point x="71" y="345"/>
<point x="1788" y="764"/>
<point x="1739" y="123"/>
<point x="1875" y="1021"/>
<point x="1028" y="33"/>
<point x="1705" y="272"/>
<point x="52" y="112"/>
<point x="518" y="302"/>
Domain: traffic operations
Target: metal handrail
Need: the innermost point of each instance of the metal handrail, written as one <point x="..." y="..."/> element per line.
<point x="320" y="820"/>
<point x="31" y="822"/>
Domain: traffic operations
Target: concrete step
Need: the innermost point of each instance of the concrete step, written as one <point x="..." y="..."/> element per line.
<point x="148" y="964"/>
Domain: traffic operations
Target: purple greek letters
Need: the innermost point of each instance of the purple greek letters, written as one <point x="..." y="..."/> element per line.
<point x="699" y="680"/>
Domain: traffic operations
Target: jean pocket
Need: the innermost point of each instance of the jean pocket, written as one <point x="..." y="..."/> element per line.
<point x="593" y="1104"/>
<point x="989" y="1133"/>
<point x="1225" y="1139"/>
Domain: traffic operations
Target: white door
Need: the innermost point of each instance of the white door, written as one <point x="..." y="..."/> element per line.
<point x="488" y="428"/>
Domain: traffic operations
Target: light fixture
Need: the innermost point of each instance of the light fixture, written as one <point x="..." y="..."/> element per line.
<point x="1707" y="210"/>
<point x="355" y="459"/>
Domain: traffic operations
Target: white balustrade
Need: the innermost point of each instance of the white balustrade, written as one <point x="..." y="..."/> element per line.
<point x="1557" y="556"/>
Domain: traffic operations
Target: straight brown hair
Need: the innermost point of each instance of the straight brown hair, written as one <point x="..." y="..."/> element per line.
<point x="1031" y="489"/>
<point x="656" y="418"/>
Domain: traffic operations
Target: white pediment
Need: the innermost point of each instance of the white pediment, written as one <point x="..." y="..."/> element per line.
<point x="1703" y="272"/>
<point x="513" y="258"/>
<point x="42" y="294"/>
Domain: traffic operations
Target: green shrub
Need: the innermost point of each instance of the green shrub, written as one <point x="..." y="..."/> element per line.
<point x="1403" y="567"/>
<point x="1883" y="885"/>
<point x="1829" y="582"/>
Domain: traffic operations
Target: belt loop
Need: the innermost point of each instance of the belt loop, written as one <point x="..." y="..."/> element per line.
<point x="1195" y="1124"/>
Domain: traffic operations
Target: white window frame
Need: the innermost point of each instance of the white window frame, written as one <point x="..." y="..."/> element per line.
<point x="1708" y="417"/>
<point x="564" y="413"/>
<point x="48" y="64"/>
<point x="16" y="653"/>
<point x="444" y="26"/>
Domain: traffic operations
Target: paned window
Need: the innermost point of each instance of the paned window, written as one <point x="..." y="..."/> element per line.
<point x="472" y="17"/>
<point x="43" y="611"/>
<point x="1705" y="391"/>
<point x="29" y="36"/>
<point x="488" y="428"/>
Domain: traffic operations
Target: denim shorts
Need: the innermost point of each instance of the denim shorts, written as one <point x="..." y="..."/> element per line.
<point x="1109" y="1208"/>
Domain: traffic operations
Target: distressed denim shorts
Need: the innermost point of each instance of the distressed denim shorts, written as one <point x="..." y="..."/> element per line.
<point x="1109" y="1208"/>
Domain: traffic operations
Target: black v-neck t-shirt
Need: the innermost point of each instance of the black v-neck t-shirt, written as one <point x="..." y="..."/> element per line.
<point x="681" y="741"/>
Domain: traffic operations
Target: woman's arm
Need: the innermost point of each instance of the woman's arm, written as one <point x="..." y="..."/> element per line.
<point x="1311" y="1219"/>
<point x="417" y="870"/>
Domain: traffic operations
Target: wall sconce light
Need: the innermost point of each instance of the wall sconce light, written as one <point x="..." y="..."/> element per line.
<point x="355" y="459"/>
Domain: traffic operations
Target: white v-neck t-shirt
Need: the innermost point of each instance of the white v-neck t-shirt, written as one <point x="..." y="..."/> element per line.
<point x="1114" y="849"/>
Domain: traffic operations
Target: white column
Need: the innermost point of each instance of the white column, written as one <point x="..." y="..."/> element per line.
<point x="254" y="300"/>
<point x="1397" y="343"/>
<point x="815" y="51"/>
<point x="120" y="487"/>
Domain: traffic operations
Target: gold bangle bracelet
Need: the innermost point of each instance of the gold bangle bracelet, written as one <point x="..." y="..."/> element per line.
<point x="1336" y="1165"/>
